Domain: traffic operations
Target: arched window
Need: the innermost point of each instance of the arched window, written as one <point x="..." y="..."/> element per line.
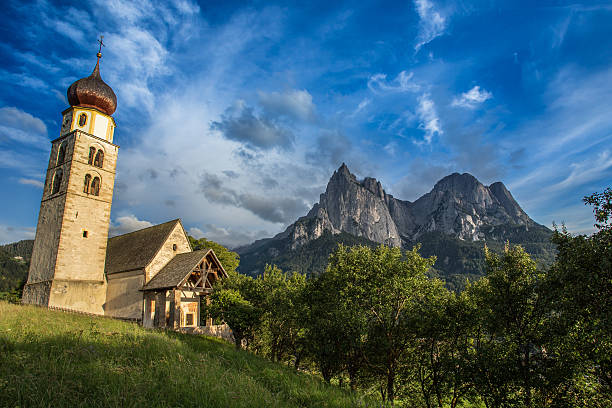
<point x="95" y="186"/>
<point x="99" y="160"/>
<point x="82" y="119"/>
<point x="86" y="183"/>
<point x="92" y="153"/>
<point x="61" y="154"/>
<point x="57" y="181"/>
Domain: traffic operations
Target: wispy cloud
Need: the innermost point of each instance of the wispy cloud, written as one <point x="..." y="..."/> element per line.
<point x="31" y="182"/>
<point x="403" y="82"/>
<point x="431" y="23"/>
<point x="472" y="98"/>
<point x="585" y="171"/>
<point x="428" y="116"/>
<point x="362" y="105"/>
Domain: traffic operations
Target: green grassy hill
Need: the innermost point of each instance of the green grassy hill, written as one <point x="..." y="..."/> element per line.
<point x="50" y="358"/>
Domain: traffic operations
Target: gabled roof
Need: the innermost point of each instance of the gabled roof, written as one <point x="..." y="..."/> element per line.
<point x="137" y="249"/>
<point x="179" y="268"/>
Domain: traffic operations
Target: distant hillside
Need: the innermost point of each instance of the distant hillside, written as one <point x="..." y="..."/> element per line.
<point x="51" y="358"/>
<point x="22" y="248"/>
<point x="453" y="222"/>
<point x="14" y="264"/>
<point x="310" y="258"/>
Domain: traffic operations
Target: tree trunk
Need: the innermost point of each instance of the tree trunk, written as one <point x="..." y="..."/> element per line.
<point x="390" y="384"/>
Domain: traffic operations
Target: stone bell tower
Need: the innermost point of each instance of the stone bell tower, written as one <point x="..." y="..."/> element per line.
<point x="67" y="266"/>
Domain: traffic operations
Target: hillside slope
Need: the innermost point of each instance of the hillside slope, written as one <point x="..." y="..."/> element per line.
<point x="13" y="271"/>
<point x="50" y="358"/>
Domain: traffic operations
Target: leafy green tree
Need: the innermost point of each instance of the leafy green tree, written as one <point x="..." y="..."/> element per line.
<point x="282" y="327"/>
<point x="580" y="285"/>
<point x="510" y="358"/>
<point x="336" y="325"/>
<point x="444" y="340"/>
<point x="228" y="259"/>
<point x="241" y="316"/>
<point x="392" y="289"/>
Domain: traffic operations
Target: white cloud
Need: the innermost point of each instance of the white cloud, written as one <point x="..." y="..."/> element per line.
<point x="403" y="82"/>
<point x="428" y="116"/>
<point x="31" y="182"/>
<point x="22" y="127"/>
<point x="362" y="105"/>
<point x="431" y="23"/>
<point x="295" y="104"/>
<point x="391" y="148"/>
<point x="471" y="98"/>
<point x="196" y="232"/>
<point x="127" y="223"/>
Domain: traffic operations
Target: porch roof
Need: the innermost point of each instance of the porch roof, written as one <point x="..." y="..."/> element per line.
<point x="176" y="270"/>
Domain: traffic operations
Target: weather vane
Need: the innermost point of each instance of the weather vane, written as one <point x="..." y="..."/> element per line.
<point x="101" y="45"/>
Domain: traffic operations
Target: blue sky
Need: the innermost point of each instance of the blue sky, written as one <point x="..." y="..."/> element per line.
<point x="233" y="115"/>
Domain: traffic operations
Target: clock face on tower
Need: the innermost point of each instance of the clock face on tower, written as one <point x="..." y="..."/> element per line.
<point x="66" y="123"/>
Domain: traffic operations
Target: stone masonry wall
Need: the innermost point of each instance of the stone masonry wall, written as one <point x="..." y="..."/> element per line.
<point x="123" y="296"/>
<point x="166" y="253"/>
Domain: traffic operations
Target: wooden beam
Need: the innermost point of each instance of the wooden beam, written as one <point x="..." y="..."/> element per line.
<point x="175" y="309"/>
<point x="160" y="309"/>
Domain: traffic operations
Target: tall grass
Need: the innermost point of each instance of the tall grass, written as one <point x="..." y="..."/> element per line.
<point x="56" y="359"/>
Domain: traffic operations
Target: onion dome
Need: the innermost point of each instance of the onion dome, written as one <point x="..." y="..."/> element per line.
<point x="93" y="92"/>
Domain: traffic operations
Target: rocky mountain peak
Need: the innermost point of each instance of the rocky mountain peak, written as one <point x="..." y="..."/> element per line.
<point x="460" y="183"/>
<point x="343" y="172"/>
<point x="458" y="205"/>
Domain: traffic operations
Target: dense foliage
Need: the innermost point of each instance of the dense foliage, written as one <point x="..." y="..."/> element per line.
<point x="13" y="274"/>
<point x="521" y="336"/>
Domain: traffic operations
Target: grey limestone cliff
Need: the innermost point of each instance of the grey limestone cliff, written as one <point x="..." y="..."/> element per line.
<point x="458" y="205"/>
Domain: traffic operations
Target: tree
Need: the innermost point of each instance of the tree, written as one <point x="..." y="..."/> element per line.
<point x="512" y="359"/>
<point x="392" y="289"/>
<point x="440" y="364"/>
<point x="580" y="284"/>
<point x="228" y="259"/>
<point x="336" y="327"/>
<point x="241" y="316"/>
<point x="281" y="301"/>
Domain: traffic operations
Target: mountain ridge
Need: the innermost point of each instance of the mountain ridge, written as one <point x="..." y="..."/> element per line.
<point x="458" y="206"/>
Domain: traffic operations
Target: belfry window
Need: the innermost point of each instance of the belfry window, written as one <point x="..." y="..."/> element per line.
<point x="57" y="181"/>
<point x="95" y="186"/>
<point x="99" y="160"/>
<point x="82" y="119"/>
<point x="86" y="183"/>
<point x="61" y="154"/>
<point x="92" y="153"/>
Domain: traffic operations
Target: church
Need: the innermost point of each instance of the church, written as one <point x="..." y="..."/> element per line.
<point x="151" y="275"/>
